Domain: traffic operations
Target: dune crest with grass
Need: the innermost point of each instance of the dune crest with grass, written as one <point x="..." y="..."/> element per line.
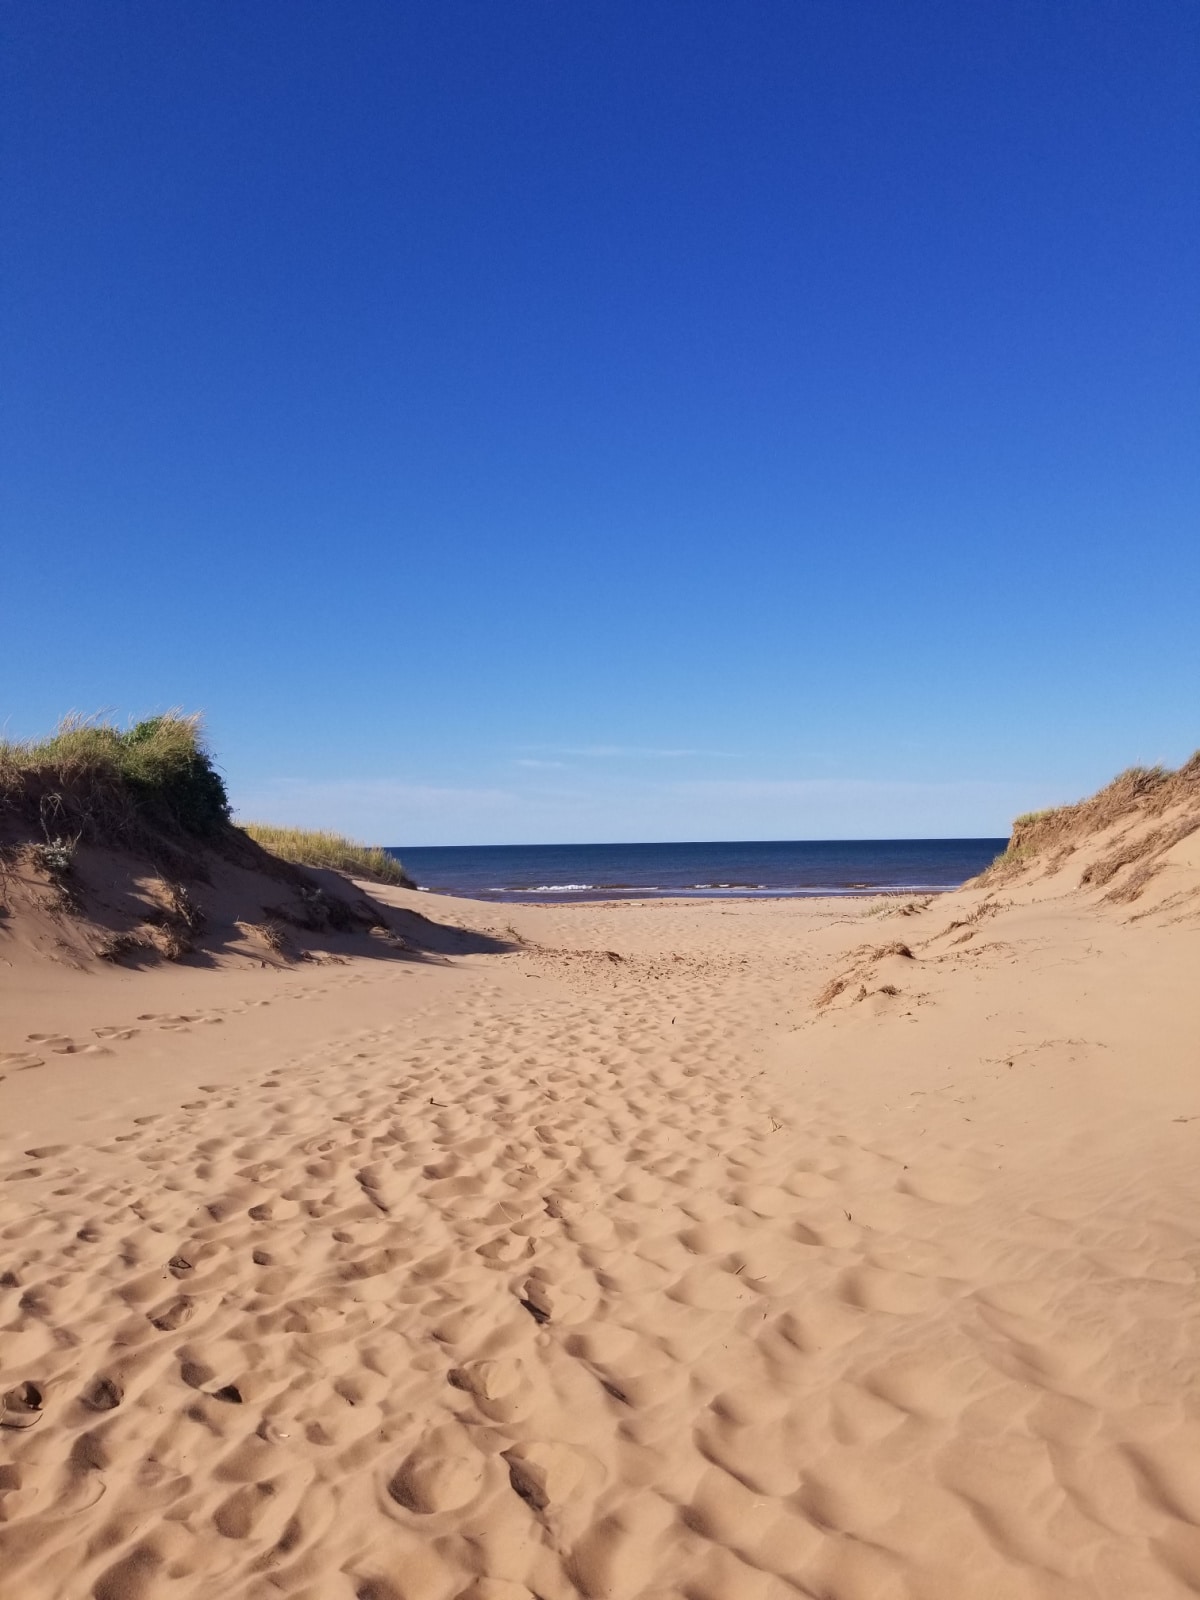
<point x="311" y="847"/>
<point x="1138" y="827"/>
<point x="118" y="845"/>
<point x="740" y="1250"/>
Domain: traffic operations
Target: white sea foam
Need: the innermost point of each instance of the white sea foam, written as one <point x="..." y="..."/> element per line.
<point x="551" y="888"/>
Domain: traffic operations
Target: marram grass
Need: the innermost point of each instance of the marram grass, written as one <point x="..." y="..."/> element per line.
<point x="309" y="847"/>
<point x="152" y="785"/>
<point x="116" y="786"/>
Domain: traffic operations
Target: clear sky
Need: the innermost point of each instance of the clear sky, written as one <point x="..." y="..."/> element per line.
<point x="547" y="420"/>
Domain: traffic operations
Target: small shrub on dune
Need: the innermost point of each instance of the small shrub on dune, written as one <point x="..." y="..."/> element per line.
<point x="172" y="775"/>
<point x="114" y="786"/>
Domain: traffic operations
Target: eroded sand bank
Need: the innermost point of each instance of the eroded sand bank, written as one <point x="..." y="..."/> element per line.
<point x="614" y="1264"/>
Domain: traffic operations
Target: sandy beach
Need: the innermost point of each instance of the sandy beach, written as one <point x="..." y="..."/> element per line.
<point x="565" y="1033"/>
<point x="731" y="1250"/>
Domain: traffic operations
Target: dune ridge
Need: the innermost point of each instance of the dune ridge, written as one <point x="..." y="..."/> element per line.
<point x="1128" y="832"/>
<point x="620" y="1250"/>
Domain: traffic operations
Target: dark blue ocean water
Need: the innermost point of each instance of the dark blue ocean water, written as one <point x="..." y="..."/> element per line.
<point x="774" y="867"/>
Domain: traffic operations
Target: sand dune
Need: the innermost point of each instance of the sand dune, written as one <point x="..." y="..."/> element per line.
<point x="723" y="1251"/>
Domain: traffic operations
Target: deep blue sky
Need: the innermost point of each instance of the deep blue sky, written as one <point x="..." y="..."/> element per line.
<point x="519" y="421"/>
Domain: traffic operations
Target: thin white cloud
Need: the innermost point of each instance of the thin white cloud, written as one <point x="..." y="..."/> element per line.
<point x="605" y="752"/>
<point x="831" y="808"/>
<point x="810" y="788"/>
<point x="381" y="810"/>
<point x="618" y="807"/>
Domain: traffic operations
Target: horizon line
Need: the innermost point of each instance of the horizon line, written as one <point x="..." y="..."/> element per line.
<point x="625" y="844"/>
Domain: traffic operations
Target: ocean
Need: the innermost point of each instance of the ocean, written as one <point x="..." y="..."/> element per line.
<point x="567" y="872"/>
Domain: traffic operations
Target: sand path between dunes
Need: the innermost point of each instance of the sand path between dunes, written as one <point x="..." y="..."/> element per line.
<point x="609" y="1268"/>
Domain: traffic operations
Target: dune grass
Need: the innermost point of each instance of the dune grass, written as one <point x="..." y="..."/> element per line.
<point x="309" y="847"/>
<point x="1137" y="793"/>
<point x="95" y="781"/>
<point x="151" y="786"/>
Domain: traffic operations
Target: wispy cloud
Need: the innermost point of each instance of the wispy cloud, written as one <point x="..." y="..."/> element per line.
<point x="607" y="803"/>
<point x="529" y="761"/>
<point x="855" y="790"/>
<point x="635" y="752"/>
<point x="380" y="810"/>
<point x="389" y="790"/>
<point x="604" y="752"/>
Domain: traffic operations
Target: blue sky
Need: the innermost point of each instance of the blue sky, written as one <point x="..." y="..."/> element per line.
<point x="522" y="420"/>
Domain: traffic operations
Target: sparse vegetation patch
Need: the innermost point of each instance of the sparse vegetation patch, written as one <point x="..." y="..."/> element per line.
<point x="1138" y="794"/>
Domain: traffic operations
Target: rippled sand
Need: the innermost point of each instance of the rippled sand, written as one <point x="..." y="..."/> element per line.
<point x="714" y="1251"/>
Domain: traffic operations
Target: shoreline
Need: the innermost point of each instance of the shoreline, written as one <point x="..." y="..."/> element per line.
<point x="686" y="896"/>
<point x="774" y="868"/>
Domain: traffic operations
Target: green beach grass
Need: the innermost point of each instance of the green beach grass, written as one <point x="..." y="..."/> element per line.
<point x="308" y="847"/>
<point x="150" y="786"/>
<point x="93" y="781"/>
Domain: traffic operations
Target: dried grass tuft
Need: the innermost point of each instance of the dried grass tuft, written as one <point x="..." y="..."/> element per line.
<point x="1126" y="892"/>
<point x="1137" y="795"/>
<point x="830" y="992"/>
<point x="272" y="934"/>
<point x="119" y="945"/>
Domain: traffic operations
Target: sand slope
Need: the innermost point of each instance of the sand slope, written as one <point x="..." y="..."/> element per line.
<point x="645" y="1257"/>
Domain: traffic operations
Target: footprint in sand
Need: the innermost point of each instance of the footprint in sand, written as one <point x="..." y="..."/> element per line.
<point x="102" y="1394"/>
<point x="20" y="1060"/>
<point x="21" y="1407"/>
<point x="174" y="1315"/>
<point x="116" y="1033"/>
<point x="177" y="1022"/>
<point x="499" y="1388"/>
<point x="58" y="1044"/>
<point x="544" y="1475"/>
<point x="429" y="1481"/>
